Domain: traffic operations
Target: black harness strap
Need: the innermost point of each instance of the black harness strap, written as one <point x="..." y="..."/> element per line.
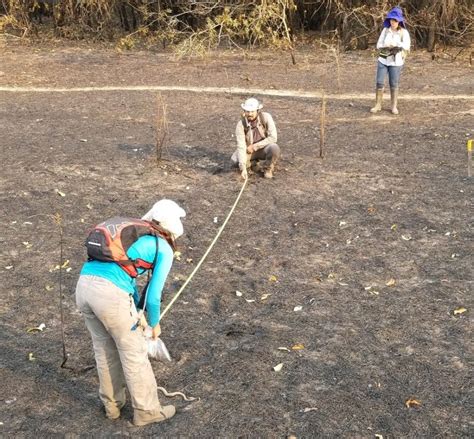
<point x="246" y="123"/>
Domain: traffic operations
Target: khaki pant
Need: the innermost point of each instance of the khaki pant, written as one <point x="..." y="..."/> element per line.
<point x="271" y="153"/>
<point x="120" y="353"/>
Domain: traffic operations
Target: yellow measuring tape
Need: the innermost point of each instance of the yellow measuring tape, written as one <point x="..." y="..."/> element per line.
<point x="469" y="144"/>
<point x="206" y="253"/>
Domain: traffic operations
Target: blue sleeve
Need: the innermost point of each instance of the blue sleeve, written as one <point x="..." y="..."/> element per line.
<point x="145" y="248"/>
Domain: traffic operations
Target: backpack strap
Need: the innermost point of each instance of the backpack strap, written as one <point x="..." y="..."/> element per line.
<point x="262" y="121"/>
<point x="246" y="124"/>
<point x="140" y="263"/>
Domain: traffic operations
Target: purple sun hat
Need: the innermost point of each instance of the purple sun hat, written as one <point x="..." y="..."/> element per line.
<point x="396" y="14"/>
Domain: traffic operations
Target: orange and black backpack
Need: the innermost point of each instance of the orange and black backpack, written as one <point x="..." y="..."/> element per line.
<point x="110" y="240"/>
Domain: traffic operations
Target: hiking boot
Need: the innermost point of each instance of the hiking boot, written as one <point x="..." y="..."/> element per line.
<point x="256" y="166"/>
<point x="394" y="100"/>
<point x="141" y="418"/>
<point x="112" y="414"/>
<point x="113" y="411"/>
<point x="378" y="101"/>
<point x="269" y="171"/>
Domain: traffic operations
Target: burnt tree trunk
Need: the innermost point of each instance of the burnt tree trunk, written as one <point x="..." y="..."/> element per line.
<point x="431" y="37"/>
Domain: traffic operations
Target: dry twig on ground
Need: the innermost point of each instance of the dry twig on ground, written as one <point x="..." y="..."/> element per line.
<point x="161" y="126"/>
<point x="322" y="130"/>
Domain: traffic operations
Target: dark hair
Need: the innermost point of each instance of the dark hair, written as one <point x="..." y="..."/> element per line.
<point x="165" y="234"/>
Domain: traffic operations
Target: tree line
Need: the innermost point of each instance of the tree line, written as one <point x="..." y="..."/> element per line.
<point x="194" y="25"/>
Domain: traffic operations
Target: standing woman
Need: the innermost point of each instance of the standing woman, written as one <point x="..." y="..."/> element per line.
<point x="107" y="296"/>
<point x="393" y="44"/>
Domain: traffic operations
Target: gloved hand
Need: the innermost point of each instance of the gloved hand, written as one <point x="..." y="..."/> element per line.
<point x="244" y="174"/>
<point x="156" y="332"/>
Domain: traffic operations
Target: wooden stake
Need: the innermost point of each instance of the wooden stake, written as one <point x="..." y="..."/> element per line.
<point x="59" y="222"/>
<point x="161" y="126"/>
<point x="469" y="157"/>
<point x="293" y="59"/>
<point x="322" y="133"/>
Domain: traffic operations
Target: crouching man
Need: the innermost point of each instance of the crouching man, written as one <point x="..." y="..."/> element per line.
<point x="256" y="136"/>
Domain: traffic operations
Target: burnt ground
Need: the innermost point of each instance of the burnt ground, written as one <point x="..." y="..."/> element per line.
<point x="374" y="242"/>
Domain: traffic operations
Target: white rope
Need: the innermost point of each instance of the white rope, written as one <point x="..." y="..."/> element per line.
<point x="206" y="253"/>
<point x="231" y="90"/>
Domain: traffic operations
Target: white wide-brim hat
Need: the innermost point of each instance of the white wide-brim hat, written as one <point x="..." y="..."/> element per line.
<point x="169" y="215"/>
<point x="251" y="104"/>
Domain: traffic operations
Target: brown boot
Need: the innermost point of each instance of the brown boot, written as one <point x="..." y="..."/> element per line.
<point x="378" y="101"/>
<point x="256" y="166"/>
<point x="141" y="417"/>
<point x="269" y="171"/>
<point x="112" y="411"/>
<point x="394" y="100"/>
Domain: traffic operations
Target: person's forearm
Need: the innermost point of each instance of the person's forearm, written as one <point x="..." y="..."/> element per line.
<point x="242" y="157"/>
<point x="271" y="138"/>
<point x="153" y="311"/>
<point x="157" y="283"/>
<point x="263" y="143"/>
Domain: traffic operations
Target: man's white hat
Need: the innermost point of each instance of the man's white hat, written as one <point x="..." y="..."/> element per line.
<point x="168" y="214"/>
<point x="251" y="104"/>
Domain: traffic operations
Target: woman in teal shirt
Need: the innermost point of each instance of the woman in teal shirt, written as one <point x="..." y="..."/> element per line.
<point x="108" y="297"/>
